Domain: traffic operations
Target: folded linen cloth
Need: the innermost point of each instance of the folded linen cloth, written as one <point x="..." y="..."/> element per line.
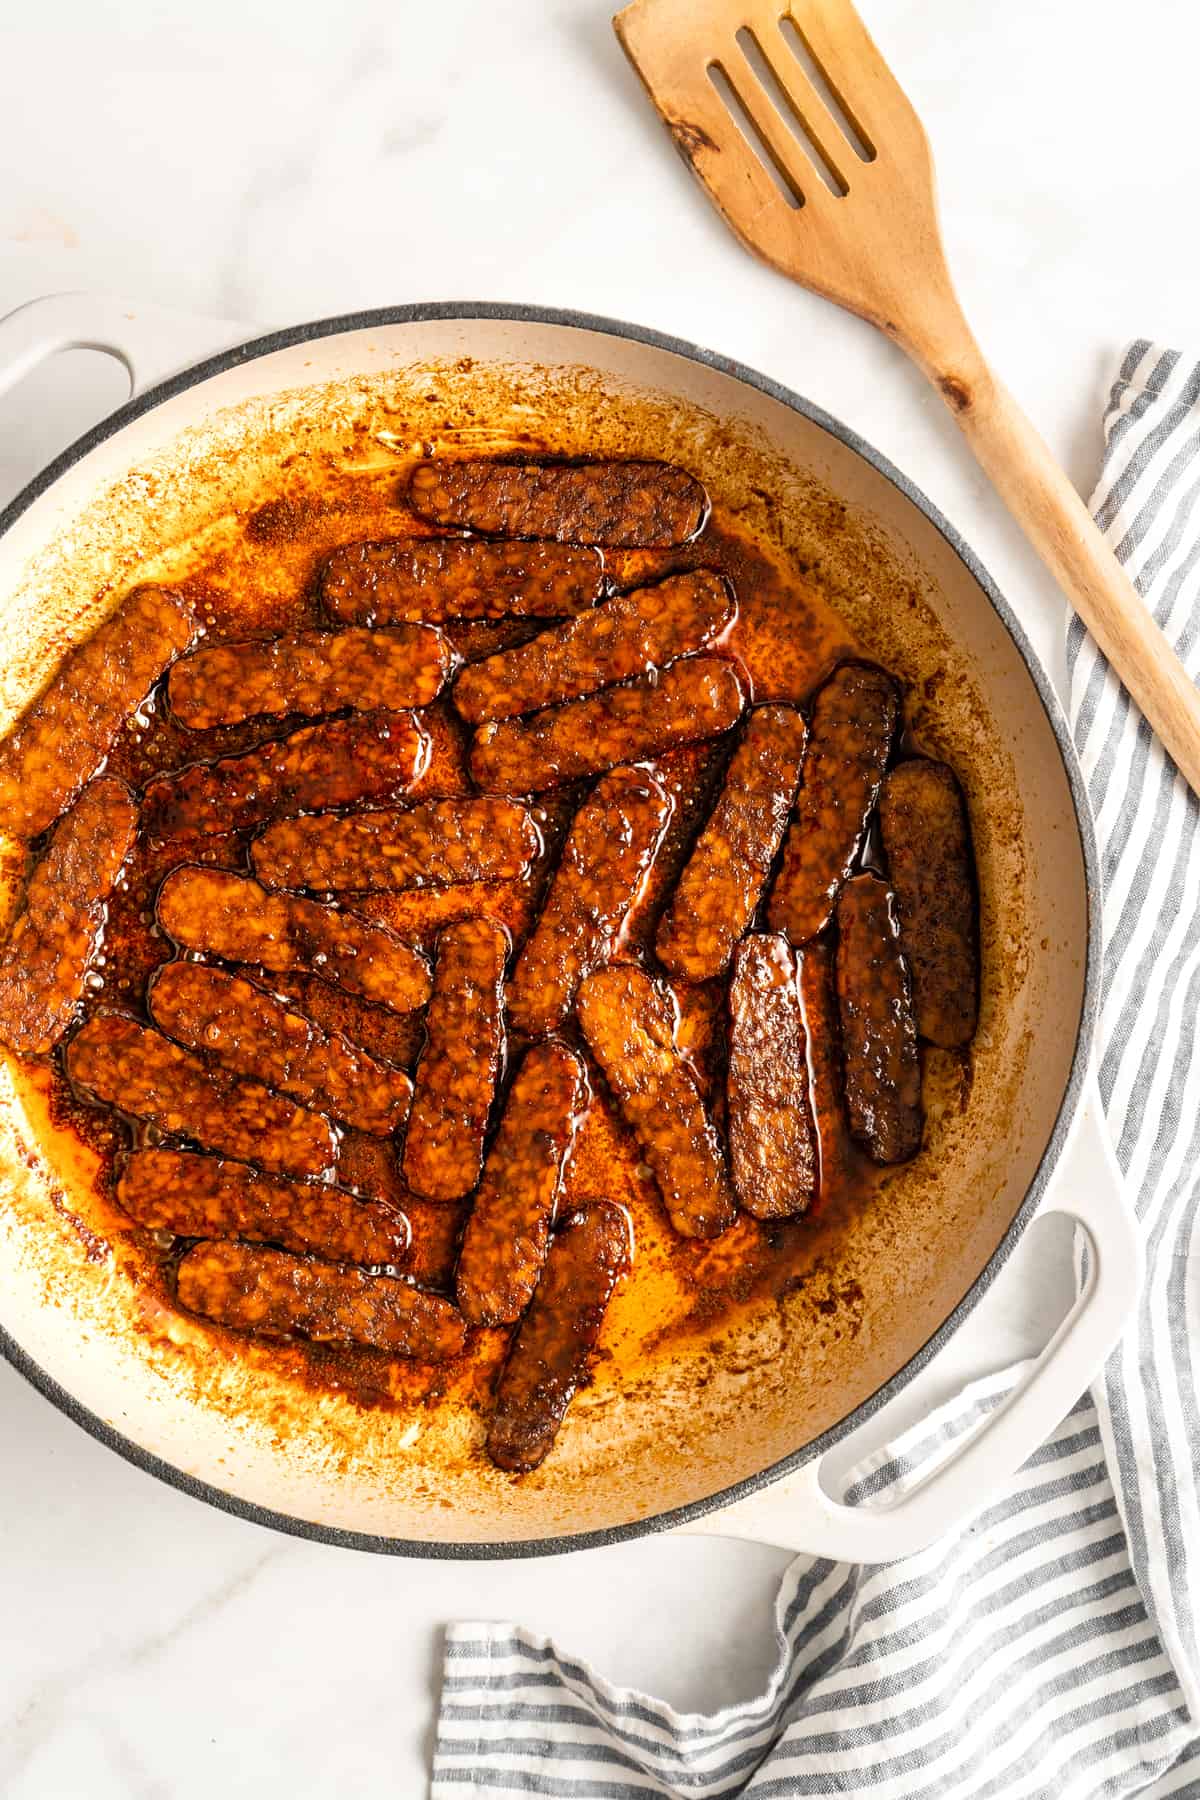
<point x="1050" y="1651"/>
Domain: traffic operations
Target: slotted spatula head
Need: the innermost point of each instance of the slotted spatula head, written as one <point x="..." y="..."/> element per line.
<point x="792" y="120"/>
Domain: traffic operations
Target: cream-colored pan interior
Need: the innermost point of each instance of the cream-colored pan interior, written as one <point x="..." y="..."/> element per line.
<point x="696" y="1419"/>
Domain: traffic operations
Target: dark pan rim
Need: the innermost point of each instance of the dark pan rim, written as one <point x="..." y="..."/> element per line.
<point x="697" y="1509"/>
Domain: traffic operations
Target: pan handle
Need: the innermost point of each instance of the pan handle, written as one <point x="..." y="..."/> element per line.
<point x="797" y="1512"/>
<point x="151" y="341"/>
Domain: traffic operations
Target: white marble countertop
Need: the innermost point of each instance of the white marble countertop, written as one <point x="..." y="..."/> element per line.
<point x="246" y="162"/>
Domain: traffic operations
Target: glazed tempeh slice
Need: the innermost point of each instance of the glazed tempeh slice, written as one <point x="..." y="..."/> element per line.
<point x="549" y="1355"/>
<point x="231" y="916"/>
<point x="67" y="731"/>
<point x="607" y="856"/>
<point x="633" y="505"/>
<point x="252" y="1033"/>
<point x="630" y="1029"/>
<point x="442" y="579"/>
<point x="270" y="1292"/>
<point x="879" y="1036"/>
<point x="723" y="882"/>
<point x="143" y="1073"/>
<point x="690" y="778"/>
<point x="368" y="1166"/>
<point x="927" y="842"/>
<point x="460" y="1064"/>
<point x="418" y="914"/>
<point x="312" y="672"/>
<point x="623" y="637"/>
<point x="205" y="1196"/>
<point x="45" y="962"/>
<point x="483" y="838"/>
<point x="437" y="1226"/>
<point x="509" y="1229"/>
<point x="772" y="1145"/>
<point x="818" y="1001"/>
<point x="369" y="757"/>
<point x="694" y="699"/>
<point x="390" y="1037"/>
<point x="853" y="720"/>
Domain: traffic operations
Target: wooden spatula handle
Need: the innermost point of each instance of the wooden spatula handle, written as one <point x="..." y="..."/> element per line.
<point x="1066" y="537"/>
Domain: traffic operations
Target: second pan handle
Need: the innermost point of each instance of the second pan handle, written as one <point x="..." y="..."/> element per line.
<point x="151" y="342"/>
<point x="798" y="1513"/>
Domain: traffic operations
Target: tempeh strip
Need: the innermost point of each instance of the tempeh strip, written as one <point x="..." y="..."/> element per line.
<point x="689" y="778"/>
<point x="437" y="1225"/>
<point x="927" y="843"/>
<point x="483" y="838"/>
<point x="623" y="637"/>
<point x="252" y="1033"/>
<point x="772" y="1147"/>
<point x="460" y="1064"/>
<point x="205" y="1196"/>
<point x="853" y="720"/>
<point x="630" y="1028"/>
<point x="65" y="733"/>
<point x="722" y="884"/>
<point x="509" y="1229"/>
<point x="312" y="672"/>
<point x="605" y="861"/>
<point x="274" y="1294"/>
<point x="634" y="505"/>
<point x="418" y="914"/>
<point x="368" y="1166"/>
<point x="693" y="699"/>
<point x="143" y="1073"/>
<point x="443" y="579"/>
<point x="369" y="757"/>
<point x="44" y="964"/>
<point x="390" y="1037"/>
<point x="233" y="917"/>
<point x="879" y="1036"/>
<point x="822" y="1030"/>
<point x="549" y="1355"/>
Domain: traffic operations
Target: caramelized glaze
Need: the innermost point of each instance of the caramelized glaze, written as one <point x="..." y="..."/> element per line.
<point x="783" y="642"/>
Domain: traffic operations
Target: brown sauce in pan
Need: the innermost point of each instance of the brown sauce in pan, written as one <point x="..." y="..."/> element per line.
<point x="787" y="641"/>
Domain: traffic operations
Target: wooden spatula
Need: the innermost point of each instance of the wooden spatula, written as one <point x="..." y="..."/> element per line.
<point x="794" y="123"/>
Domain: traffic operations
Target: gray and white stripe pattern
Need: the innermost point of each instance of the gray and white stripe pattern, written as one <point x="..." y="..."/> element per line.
<point x="1049" y="1652"/>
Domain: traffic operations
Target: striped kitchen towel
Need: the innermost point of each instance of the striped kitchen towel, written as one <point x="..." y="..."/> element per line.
<point x="1050" y="1651"/>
